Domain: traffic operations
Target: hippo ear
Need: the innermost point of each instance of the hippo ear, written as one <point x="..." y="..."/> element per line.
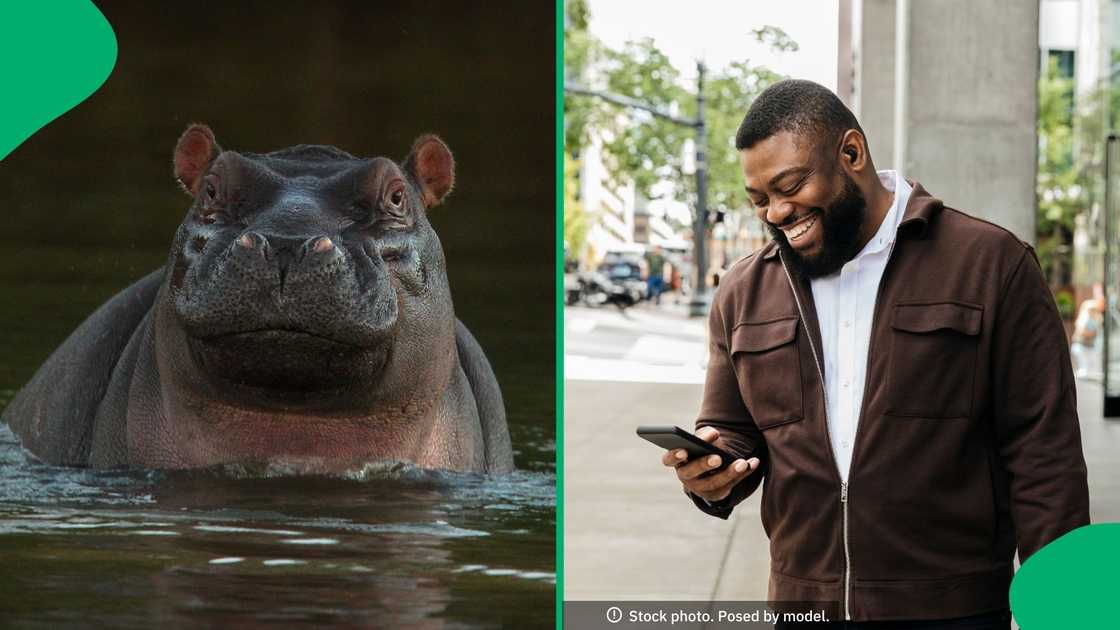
<point x="431" y="164"/>
<point x="194" y="152"/>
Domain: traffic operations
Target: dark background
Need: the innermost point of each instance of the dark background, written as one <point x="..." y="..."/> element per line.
<point x="90" y="205"/>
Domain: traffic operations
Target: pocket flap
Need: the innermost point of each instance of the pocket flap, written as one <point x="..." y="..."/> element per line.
<point x="748" y="337"/>
<point x="923" y="318"/>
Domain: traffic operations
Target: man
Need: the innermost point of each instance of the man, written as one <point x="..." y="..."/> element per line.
<point x="894" y="373"/>
<point x="655" y="261"/>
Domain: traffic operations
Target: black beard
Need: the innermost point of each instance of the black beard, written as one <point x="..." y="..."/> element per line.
<point x="841" y="223"/>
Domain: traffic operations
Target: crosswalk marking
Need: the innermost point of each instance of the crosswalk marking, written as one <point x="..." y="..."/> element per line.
<point x="581" y="368"/>
<point x="635" y="346"/>
<point x="663" y="350"/>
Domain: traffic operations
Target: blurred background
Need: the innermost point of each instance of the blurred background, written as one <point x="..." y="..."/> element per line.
<point x="1004" y="110"/>
<point x="90" y="206"/>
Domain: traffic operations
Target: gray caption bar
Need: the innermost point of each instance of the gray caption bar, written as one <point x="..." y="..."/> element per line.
<point x="693" y="615"/>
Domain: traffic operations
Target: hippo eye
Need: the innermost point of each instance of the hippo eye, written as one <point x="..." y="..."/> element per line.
<point x="211" y="192"/>
<point x="396" y="198"/>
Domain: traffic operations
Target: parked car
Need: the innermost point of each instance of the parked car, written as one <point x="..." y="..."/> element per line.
<point x="626" y="268"/>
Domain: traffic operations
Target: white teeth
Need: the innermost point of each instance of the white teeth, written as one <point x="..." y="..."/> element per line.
<point x="800" y="230"/>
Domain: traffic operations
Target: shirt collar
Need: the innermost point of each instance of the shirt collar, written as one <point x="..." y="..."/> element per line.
<point x="884" y="237"/>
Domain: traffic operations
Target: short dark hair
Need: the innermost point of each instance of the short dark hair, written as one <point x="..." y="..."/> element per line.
<point x="801" y="107"/>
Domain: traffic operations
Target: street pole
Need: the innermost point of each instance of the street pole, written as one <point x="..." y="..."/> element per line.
<point x="698" y="305"/>
<point x="1111" y="400"/>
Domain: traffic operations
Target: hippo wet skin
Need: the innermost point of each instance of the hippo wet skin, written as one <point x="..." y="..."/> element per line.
<point x="303" y="318"/>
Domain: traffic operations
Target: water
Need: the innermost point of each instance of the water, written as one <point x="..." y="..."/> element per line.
<point x="90" y="206"/>
<point x="390" y="545"/>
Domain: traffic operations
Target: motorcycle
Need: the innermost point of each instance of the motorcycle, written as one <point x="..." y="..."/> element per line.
<point x="596" y="289"/>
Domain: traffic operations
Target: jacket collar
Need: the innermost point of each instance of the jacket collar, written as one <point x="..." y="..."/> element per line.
<point x="920" y="211"/>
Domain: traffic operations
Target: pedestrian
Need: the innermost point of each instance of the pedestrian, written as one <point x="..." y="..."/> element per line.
<point x="894" y="373"/>
<point x="655" y="262"/>
<point x="1086" y="328"/>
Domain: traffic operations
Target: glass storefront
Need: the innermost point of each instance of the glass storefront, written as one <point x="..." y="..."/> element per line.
<point x="1111" y="298"/>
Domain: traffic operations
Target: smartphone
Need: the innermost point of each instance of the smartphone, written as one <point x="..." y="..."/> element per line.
<point x="669" y="438"/>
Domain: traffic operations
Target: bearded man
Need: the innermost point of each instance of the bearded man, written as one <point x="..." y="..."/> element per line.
<point x="895" y="374"/>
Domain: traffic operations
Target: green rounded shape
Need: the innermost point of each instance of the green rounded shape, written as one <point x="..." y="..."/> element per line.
<point x="53" y="55"/>
<point x="1070" y="583"/>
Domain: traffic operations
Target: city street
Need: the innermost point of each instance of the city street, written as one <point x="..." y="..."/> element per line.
<point x="630" y="533"/>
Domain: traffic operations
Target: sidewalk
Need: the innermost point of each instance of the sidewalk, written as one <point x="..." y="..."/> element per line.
<point x="630" y="533"/>
<point x="1100" y="440"/>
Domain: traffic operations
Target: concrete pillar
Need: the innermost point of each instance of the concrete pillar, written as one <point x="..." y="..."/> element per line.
<point x="844" y="72"/>
<point x="970" y="102"/>
<point x="872" y="97"/>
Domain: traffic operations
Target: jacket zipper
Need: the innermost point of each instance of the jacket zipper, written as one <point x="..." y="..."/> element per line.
<point x="828" y="434"/>
<point x="847" y="554"/>
<point x="859" y="423"/>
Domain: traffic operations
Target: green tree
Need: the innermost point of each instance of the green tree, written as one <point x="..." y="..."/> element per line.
<point x="1071" y="136"/>
<point x="1059" y="175"/>
<point x="644" y="149"/>
<point x="581" y="50"/>
<point x="577" y="221"/>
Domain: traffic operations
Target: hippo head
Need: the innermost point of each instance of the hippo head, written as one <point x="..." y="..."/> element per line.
<point x="304" y="271"/>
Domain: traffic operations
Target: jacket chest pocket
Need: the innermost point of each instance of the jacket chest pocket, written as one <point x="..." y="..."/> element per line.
<point x="933" y="359"/>
<point x="768" y="367"/>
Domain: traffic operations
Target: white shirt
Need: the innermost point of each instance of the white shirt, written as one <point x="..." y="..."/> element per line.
<point x="845" y="303"/>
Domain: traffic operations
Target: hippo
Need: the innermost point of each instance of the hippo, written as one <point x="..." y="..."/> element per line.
<point x="303" y="319"/>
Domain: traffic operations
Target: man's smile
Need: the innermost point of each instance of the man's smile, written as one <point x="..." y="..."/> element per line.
<point x="796" y="233"/>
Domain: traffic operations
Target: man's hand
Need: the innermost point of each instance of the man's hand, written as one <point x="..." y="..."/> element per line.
<point x="714" y="487"/>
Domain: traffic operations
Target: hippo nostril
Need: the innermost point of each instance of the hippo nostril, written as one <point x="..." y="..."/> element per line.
<point x="253" y="245"/>
<point x="315" y="245"/>
<point x="254" y="241"/>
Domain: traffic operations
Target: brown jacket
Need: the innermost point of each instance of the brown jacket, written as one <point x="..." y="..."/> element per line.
<point x="968" y="444"/>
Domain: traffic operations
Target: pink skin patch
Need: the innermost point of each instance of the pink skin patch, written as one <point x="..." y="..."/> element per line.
<point x="193" y="153"/>
<point x="435" y="168"/>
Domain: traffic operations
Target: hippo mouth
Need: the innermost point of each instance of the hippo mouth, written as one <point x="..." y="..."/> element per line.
<point x="278" y="337"/>
<point x="287" y="360"/>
